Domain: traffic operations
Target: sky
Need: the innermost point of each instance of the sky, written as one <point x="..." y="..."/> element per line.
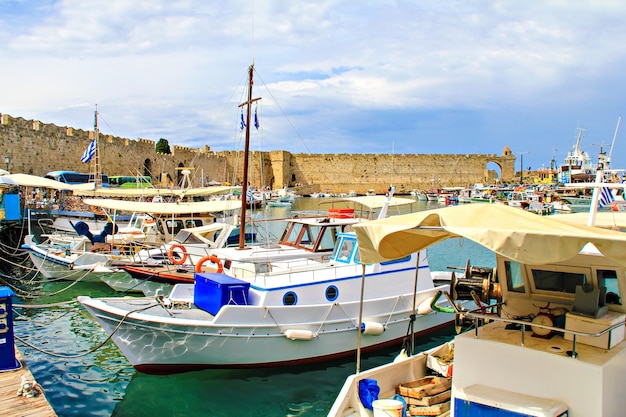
<point x="334" y="76"/>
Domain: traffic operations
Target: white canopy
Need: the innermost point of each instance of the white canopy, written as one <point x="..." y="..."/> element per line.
<point x="372" y="201"/>
<point x="165" y="208"/>
<point x="25" y="180"/>
<point x="508" y="231"/>
<point x="90" y="190"/>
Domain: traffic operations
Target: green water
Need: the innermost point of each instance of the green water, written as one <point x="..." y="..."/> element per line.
<point x="102" y="383"/>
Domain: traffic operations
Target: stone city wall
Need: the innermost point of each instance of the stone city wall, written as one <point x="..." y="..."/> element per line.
<point x="36" y="148"/>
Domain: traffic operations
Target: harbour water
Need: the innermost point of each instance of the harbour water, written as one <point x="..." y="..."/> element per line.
<point x="82" y="378"/>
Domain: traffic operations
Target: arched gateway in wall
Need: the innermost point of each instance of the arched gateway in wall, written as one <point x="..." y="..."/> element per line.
<point x="505" y="163"/>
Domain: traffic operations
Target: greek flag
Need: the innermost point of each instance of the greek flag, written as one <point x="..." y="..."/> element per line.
<point x="242" y="125"/>
<point x="606" y="197"/>
<point x="256" y="120"/>
<point x="89" y="152"/>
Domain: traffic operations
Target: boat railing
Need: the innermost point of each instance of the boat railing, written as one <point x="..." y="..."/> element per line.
<point x="290" y="272"/>
<point x="479" y="315"/>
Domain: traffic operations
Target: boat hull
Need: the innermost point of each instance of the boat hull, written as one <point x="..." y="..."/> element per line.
<point x="55" y="267"/>
<point x="251" y="336"/>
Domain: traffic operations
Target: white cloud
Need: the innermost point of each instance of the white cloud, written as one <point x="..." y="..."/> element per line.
<point x="175" y="69"/>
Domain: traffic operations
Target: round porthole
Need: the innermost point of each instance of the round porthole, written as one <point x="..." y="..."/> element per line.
<point x="332" y="293"/>
<point x="290" y="298"/>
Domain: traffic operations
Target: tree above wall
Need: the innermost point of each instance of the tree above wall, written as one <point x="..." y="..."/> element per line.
<point x="163" y="146"/>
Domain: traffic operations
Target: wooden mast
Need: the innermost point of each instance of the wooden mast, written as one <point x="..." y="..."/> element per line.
<point x="244" y="185"/>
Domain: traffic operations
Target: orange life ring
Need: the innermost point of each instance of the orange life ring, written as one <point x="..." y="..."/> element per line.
<point x="213" y="259"/>
<point x="170" y="254"/>
<point x="97" y="211"/>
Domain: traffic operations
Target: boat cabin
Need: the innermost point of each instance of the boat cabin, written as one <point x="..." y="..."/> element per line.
<point x="315" y="234"/>
<point x="588" y="283"/>
<point x="302" y="239"/>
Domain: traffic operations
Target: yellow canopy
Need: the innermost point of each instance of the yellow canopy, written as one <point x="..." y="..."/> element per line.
<point x="508" y="231"/>
<point x="606" y="219"/>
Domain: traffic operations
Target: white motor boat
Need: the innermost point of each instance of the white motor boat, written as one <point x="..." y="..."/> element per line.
<point x="284" y="313"/>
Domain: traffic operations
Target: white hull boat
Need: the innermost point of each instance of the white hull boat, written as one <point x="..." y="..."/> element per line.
<point x="72" y="261"/>
<point x="296" y="312"/>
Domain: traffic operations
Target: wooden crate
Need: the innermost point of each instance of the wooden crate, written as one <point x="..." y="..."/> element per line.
<point x="426" y="401"/>
<point x="424" y="387"/>
<point x="432" y="410"/>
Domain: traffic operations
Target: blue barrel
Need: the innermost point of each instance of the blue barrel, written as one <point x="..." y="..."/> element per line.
<point x="7" y="342"/>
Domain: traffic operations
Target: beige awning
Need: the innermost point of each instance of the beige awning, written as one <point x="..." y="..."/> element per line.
<point x="25" y="180"/>
<point x="165" y="208"/>
<point x="508" y="231"/>
<point x="90" y="190"/>
<point x="371" y="201"/>
<point x="606" y="219"/>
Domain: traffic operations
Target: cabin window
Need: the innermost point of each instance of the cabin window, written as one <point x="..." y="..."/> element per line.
<point x="173" y="226"/>
<point x="290" y="298"/>
<point x="262" y="268"/>
<point x="514" y="277"/>
<point x="560" y="281"/>
<point x="193" y="223"/>
<point x="344" y="250"/>
<point x="291" y="235"/>
<point x="308" y="237"/>
<point x="608" y="278"/>
<point x="327" y="239"/>
<point x="357" y="256"/>
<point x="332" y="293"/>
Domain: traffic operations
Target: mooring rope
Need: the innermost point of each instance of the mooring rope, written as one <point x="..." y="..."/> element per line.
<point x="92" y="350"/>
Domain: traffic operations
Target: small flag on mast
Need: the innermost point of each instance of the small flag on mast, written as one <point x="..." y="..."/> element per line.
<point x="89" y="152"/>
<point x="242" y="125"/>
<point x="606" y="197"/>
<point x="256" y="119"/>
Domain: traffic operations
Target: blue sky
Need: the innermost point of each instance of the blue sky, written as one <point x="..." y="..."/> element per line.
<point x="335" y="76"/>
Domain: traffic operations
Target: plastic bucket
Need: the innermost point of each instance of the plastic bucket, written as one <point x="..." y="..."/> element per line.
<point x="387" y="408"/>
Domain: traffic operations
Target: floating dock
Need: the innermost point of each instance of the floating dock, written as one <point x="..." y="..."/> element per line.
<point x="14" y="405"/>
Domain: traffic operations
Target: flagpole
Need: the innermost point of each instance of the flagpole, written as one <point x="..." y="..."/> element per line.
<point x="244" y="185"/>
<point x="97" y="174"/>
<point x="595" y="198"/>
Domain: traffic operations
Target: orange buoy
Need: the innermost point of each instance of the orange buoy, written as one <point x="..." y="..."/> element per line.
<point x="170" y="254"/>
<point x="214" y="259"/>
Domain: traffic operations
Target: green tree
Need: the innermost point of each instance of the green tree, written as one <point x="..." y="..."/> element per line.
<point x="163" y="146"/>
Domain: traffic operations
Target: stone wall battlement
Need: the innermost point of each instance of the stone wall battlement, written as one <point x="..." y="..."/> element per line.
<point x="35" y="147"/>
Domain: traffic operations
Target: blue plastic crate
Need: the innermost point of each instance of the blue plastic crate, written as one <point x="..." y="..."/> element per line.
<point x="212" y="291"/>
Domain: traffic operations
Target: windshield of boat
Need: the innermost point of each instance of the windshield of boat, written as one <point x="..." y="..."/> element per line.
<point x="184" y="236"/>
<point x="343" y="250"/>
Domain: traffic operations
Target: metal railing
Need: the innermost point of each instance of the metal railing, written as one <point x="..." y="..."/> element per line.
<point x="478" y="314"/>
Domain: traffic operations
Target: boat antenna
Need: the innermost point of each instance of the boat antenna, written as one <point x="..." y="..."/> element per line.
<point x="608" y="161"/>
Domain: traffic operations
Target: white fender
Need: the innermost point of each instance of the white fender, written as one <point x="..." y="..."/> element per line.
<point x="299" y="334"/>
<point x="372" y="328"/>
<point x="424" y="307"/>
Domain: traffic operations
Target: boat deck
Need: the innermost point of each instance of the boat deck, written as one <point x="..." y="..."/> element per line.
<point x="557" y="344"/>
<point x="13" y="405"/>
